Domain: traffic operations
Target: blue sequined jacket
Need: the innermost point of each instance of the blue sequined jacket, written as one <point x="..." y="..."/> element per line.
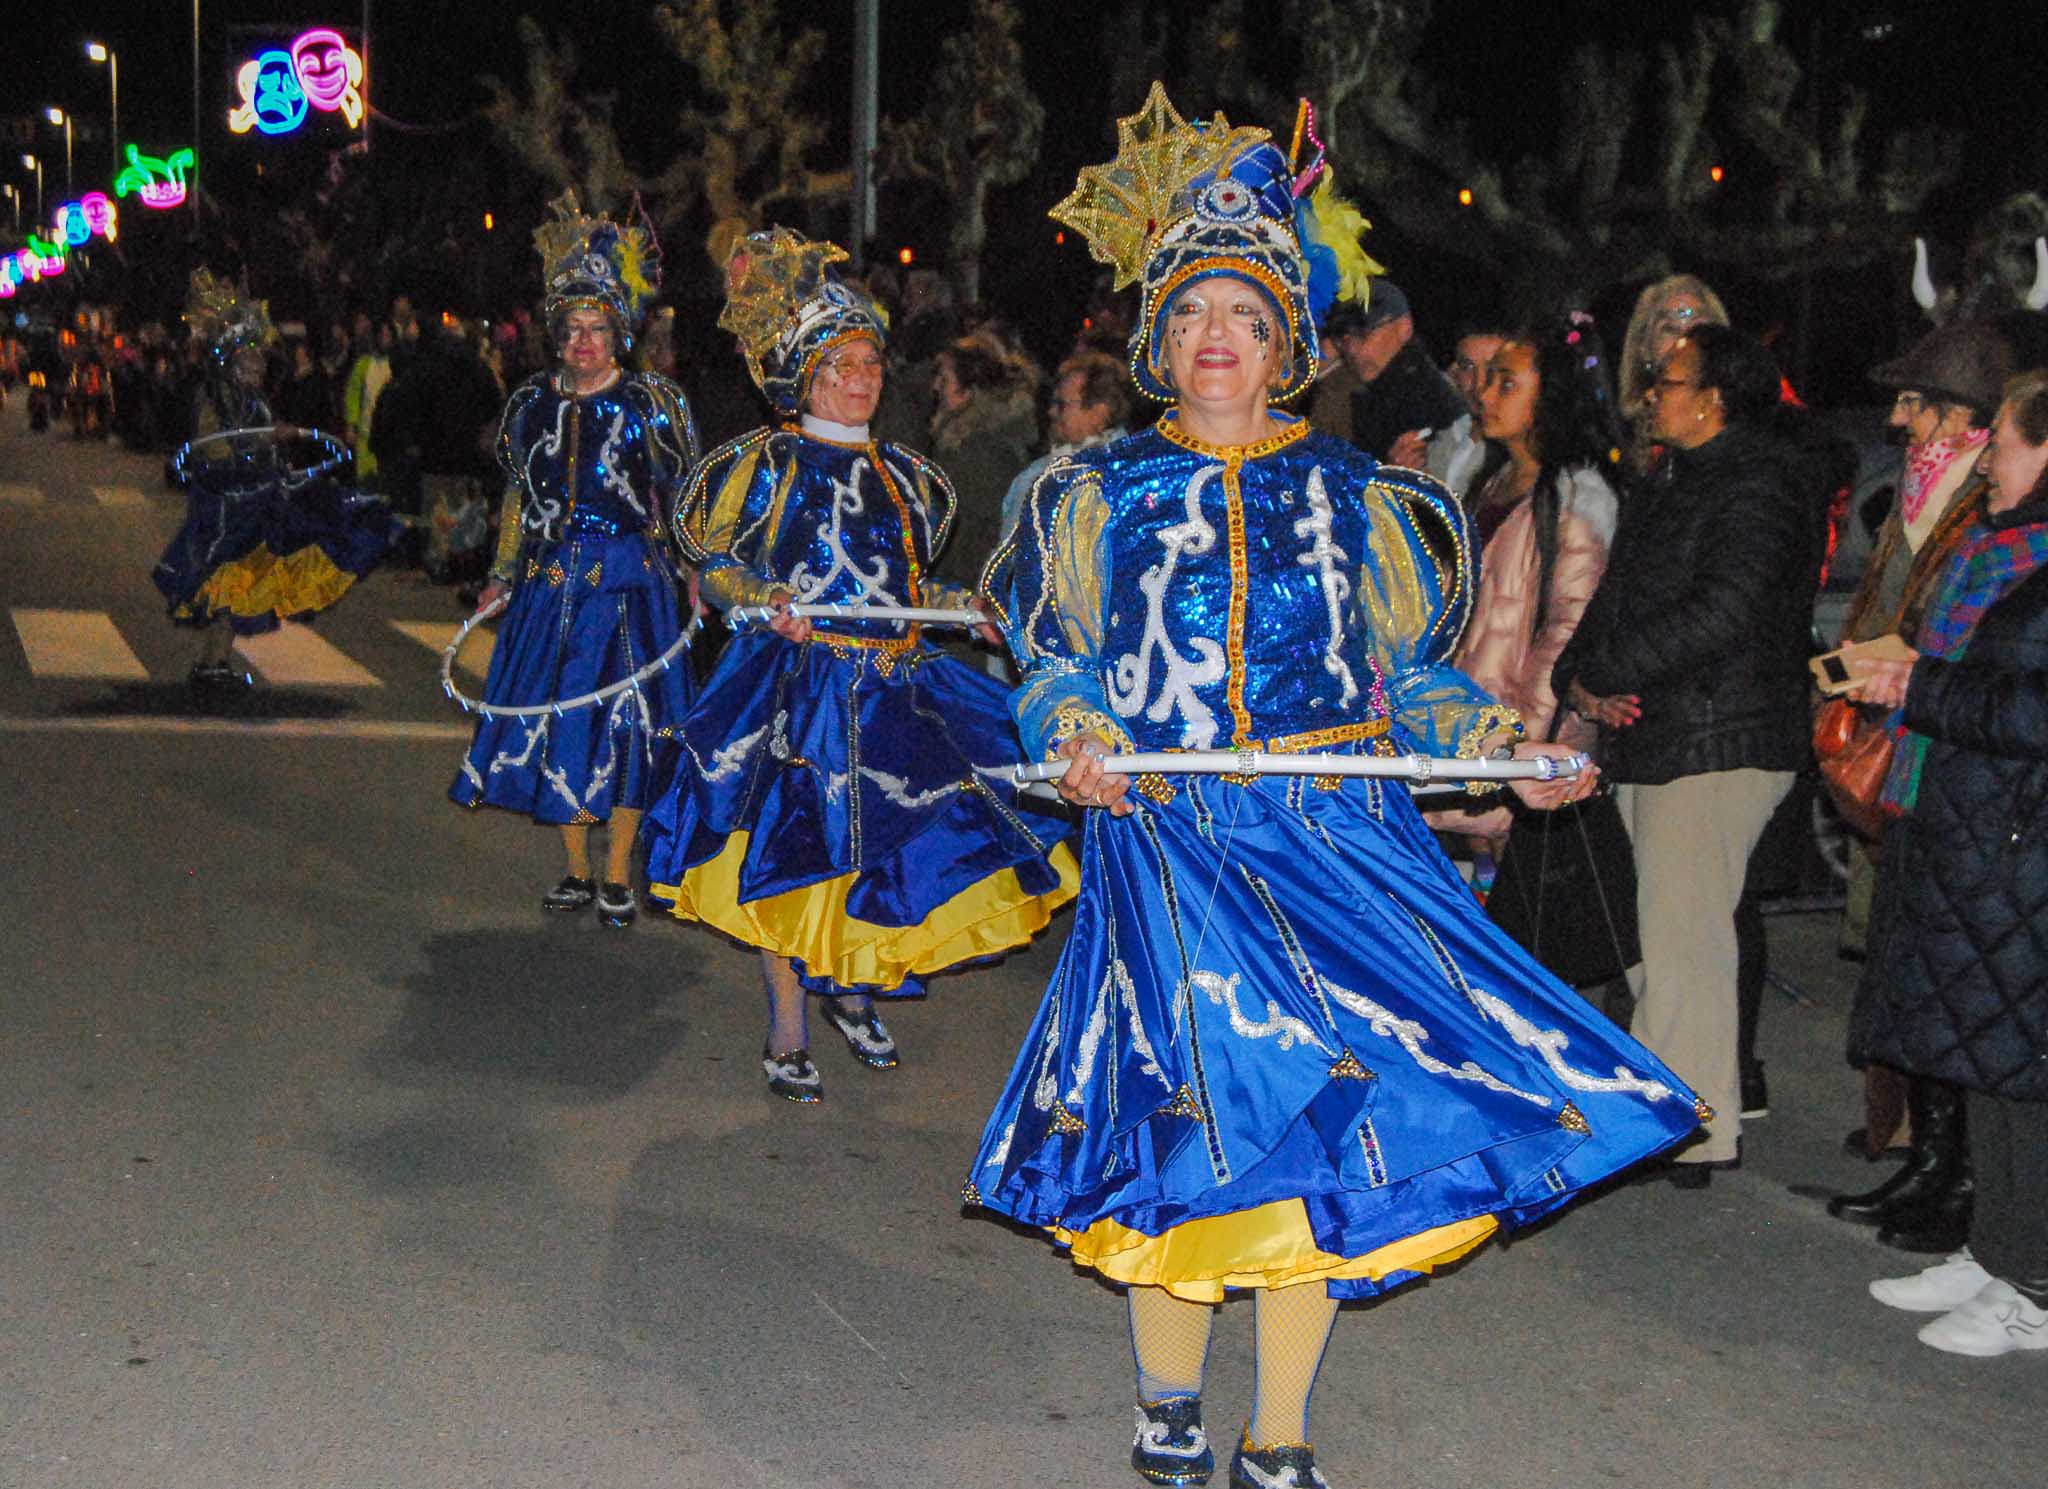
<point x="603" y="465"/>
<point x="1289" y="595"/>
<point x="831" y="523"/>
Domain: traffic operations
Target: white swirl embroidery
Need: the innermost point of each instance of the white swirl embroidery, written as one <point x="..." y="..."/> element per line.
<point x="1133" y="679"/>
<point x="1328" y="560"/>
<point x="1289" y="1030"/>
<point x="846" y="502"/>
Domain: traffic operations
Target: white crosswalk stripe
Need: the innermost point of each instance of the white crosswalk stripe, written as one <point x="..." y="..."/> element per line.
<point x="118" y="496"/>
<point x="20" y="494"/>
<point x="475" y="656"/>
<point x="295" y="656"/>
<point x="76" y="643"/>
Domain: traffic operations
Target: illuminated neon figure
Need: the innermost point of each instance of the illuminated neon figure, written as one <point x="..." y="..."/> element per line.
<point x="160" y="183"/>
<point x="321" y="71"/>
<point x="100" y="215"/>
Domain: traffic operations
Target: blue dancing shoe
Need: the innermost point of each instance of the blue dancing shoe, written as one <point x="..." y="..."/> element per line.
<point x="1171" y="1447"/>
<point x="1285" y="1465"/>
<point x="792" y="1076"/>
<point x="865" y="1034"/>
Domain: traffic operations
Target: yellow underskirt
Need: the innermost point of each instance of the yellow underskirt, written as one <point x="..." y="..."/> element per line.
<point x="1270" y="1246"/>
<point x="261" y="583"/>
<point x="990" y="916"/>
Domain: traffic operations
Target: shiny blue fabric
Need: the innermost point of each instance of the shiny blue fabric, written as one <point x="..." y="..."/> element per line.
<point x="1125" y="620"/>
<point x="1274" y="991"/>
<point x="831" y="523"/>
<point x="594" y="599"/>
<point x="241" y="503"/>
<point x="602" y="465"/>
<point x="882" y="766"/>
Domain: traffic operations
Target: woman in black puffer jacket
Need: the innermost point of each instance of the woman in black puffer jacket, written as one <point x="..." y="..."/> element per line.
<point x="1692" y="655"/>
<point x="1956" y="986"/>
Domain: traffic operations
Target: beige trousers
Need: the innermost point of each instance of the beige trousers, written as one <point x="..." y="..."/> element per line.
<point x="1692" y="840"/>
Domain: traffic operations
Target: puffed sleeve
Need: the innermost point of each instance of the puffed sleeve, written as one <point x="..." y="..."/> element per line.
<point x="727" y="520"/>
<point x="1049" y="582"/>
<point x="932" y="506"/>
<point x="1415" y="585"/>
<point x="671" y="434"/>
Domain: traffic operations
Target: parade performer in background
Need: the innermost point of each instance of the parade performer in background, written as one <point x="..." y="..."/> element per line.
<point x="837" y="800"/>
<point x="1231" y="1085"/>
<point x="594" y="457"/>
<point x="263" y="541"/>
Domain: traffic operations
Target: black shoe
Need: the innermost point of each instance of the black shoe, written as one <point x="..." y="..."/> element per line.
<point x="792" y="1076"/>
<point x="1756" y="1095"/>
<point x="219" y="675"/>
<point x="1170" y="1446"/>
<point x="1855" y="1143"/>
<point x="615" y="906"/>
<point x="1290" y="1465"/>
<point x="1937" y="1156"/>
<point x="865" y="1034"/>
<point x="571" y="894"/>
<point x="1668" y="1170"/>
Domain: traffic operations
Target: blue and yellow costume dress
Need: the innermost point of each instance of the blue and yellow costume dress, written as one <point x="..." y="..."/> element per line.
<point x="1283" y="1043"/>
<point x="841" y="802"/>
<point x="260" y="545"/>
<point x="595" y="599"/>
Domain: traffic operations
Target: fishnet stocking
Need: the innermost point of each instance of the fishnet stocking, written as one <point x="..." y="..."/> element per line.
<point x="786" y="1025"/>
<point x="1293" y="1327"/>
<point x="1170" y="1338"/>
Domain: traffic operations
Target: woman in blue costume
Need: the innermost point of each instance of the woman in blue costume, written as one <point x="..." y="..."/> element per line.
<point x="1284" y="1050"/>
<point x="594" y="456"/>
<point x="838" y="800"/>
<point x="262" y="542"/>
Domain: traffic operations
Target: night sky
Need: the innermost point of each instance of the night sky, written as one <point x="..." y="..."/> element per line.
<point x="1923" y="62"/>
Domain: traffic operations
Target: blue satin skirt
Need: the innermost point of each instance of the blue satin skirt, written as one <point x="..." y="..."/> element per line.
<point x="584" y="614"/>
<point x="825" y="798"/>
<point x="256" y="555"/>
<point x="1282" y="1001"/>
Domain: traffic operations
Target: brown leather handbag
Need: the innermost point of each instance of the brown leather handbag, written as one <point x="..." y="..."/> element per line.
<point x="1855" y="753"/>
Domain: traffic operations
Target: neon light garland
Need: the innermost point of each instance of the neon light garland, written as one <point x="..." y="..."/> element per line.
<point x="160" y="183"/>
<point x="92" y="215"/>
<point x="320" y="71"/>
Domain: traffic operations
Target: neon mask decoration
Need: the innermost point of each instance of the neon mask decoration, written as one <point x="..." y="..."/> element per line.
<point x="70" y="224"/>
<point x="272" y="99"/>
<point x="100" y="216"/>
<point x="160" y="183"/>
<point x="331" y="72"/>
<point x="321" y="71"/>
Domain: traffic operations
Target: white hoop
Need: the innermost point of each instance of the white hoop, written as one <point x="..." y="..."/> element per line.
<point x="1420" y="768"/>
<point x="334" y="462"/>
<point x="743" y="615"/>
<point x="561" y="706"/>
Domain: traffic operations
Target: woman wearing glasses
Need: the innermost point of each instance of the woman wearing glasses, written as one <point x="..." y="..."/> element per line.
<point x="837" y="802"/>
<point x="1692" y="656"/>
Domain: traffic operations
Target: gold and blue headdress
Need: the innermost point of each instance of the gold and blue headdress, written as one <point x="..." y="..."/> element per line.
<point x="226" y="316"/>
<point x="1183" y="202"/>
<point x="593" y="263"/>
<point x="789" y="308"/>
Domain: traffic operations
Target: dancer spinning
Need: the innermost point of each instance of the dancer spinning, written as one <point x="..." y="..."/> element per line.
<point x="837" y="801"/>
<point x="593" y="457"/>
<point x="263" y="541"/>
<point x="1229" y="1086"/>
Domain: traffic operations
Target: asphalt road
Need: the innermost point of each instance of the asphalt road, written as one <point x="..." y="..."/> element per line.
<point x="329" y="1161"/>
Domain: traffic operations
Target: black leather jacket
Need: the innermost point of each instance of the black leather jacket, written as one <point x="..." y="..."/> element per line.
<point x="1706" y="609"/>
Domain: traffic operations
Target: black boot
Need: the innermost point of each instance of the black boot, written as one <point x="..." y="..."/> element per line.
<point x="1939" y="1224"/>
<point x="1931" y="1163"/>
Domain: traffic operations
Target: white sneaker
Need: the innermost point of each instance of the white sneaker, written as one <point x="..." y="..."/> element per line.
<point x="1947" y="1284"/>
<point x="1997" y="1321"/>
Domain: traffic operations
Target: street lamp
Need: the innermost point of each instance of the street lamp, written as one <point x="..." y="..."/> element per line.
<point x="34" y="163"/>
<point x="58" y="116"/>
<point x="8" y="190"/>
<point x="108" y="55"/>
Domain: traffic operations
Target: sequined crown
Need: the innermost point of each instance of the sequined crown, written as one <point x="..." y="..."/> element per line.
<point x="1186" y="201"/>
<point x="789" y="308"/>
<point x="591" y="262"/>
<point x="226" y="316"/>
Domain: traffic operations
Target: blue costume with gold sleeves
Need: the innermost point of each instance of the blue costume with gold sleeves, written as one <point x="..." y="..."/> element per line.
<point x="595" y="598"/>
<point x="1283" y="1043"/>
<point x="840" y="802"/>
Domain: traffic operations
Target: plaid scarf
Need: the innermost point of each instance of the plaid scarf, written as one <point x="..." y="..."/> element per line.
<point x="1989" y="564"/>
